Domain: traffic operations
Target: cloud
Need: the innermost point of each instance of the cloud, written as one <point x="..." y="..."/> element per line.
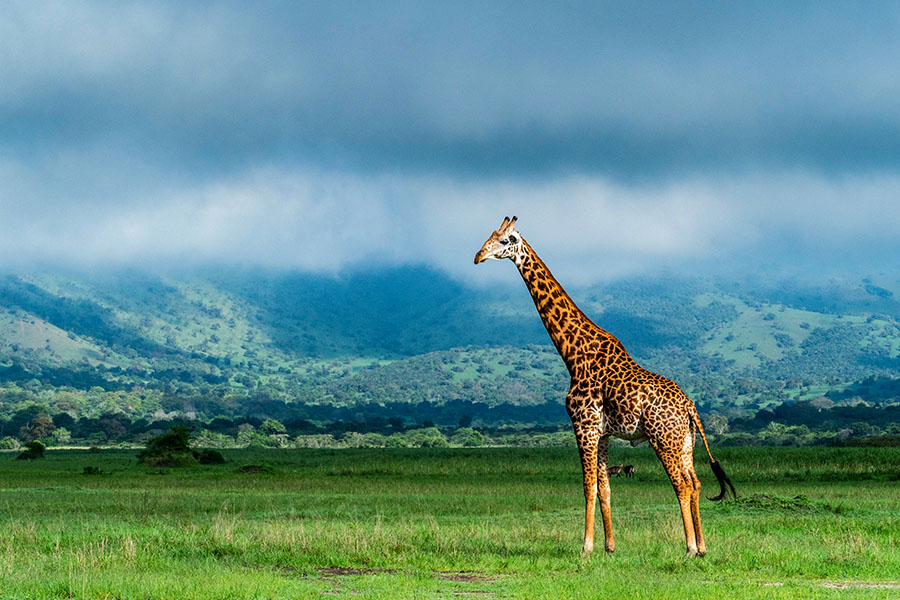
<point x="586" y="227"/>
<point x="628" y="90"/>
<point x="627" y="137"/>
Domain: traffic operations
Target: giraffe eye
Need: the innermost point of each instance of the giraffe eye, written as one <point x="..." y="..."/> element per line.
<point x="504" y="242"/>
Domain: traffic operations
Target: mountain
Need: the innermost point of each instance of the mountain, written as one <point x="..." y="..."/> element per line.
<point x="230" y="341"/>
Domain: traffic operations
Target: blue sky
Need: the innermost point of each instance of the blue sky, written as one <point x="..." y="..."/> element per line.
<point x="627" y="137"/>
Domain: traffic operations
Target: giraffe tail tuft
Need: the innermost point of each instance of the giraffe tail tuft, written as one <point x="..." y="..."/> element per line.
<point x="722" y="479"/>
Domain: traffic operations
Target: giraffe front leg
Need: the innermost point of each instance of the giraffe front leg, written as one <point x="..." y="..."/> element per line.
<point x="603" y="492"/>
<point x="587" y="447"/>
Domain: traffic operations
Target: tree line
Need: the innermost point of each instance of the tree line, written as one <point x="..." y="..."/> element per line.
<point x="278" y="424"/>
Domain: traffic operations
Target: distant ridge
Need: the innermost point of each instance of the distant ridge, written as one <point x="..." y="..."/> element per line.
<point x="413" y="334"/>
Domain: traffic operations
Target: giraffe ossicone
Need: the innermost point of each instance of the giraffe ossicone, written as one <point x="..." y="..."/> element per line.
<point x="611" y="395"/>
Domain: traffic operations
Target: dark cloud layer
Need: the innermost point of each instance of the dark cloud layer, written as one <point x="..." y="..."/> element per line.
<point x="622" y="88"/>
<point x="235" y="131"/>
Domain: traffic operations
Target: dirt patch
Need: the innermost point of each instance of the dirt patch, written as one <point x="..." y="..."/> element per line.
<point x="467" y="576"/>
<point x="846" y="585"/>
<point x="459" y="576"/>
<point x="346" y="571"/>
<point x="843" y="585"/>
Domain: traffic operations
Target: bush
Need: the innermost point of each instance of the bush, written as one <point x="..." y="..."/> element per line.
<point x="429" y="437"/>
<point x="35" y="449"/>
<point x="210" y="457"/>
<point x="9" y="443"/>
<point x="170" y="449"/>
<point x="466" y="436"/>
<point x="396" y="440"/>
<point x="325" y="440"/>
<point x="250" y="469"/>
<point x="210" y="439"/>
<point x="89" y="470"/>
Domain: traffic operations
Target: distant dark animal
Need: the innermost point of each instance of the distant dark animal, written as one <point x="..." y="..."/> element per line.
<point x="617" y="471"/>
<point x="628" y="470"/>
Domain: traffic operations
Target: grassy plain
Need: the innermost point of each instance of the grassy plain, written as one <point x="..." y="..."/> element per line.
<point x="443" y="523"/>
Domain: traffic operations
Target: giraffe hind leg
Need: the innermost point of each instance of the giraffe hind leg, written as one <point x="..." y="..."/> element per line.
<point x="689" y="475"/>
<point x="683" y="484"/>
<point x="603" y="492"/>
<point x="695" y="512"/>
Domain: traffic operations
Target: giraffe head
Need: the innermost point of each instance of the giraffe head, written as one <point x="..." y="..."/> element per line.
<point x="503" y="243"/>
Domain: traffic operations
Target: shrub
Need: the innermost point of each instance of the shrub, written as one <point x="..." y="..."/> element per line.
<point x="396" y="440"/>
<point x="170" y="449"/>
<point x="9" y="443"/>
<point x="466" y="436"/>
<point x="34" y="449"/>
<point x="249" y="469"/>
<point x="325" y="440"/>
<point x="210" y="457"/>
<point x="429" y="437"/>
<point x="89" y="470"/>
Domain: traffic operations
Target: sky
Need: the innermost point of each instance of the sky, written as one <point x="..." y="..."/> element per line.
<point x="628" y="137"/>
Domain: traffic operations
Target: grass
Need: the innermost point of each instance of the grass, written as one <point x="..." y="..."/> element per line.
<point x="442" y="523"/>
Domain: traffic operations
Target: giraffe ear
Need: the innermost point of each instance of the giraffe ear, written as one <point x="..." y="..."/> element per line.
<point x="513" y="239"/>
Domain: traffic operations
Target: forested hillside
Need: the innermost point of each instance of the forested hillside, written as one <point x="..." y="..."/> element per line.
<point x="417" y="347"/>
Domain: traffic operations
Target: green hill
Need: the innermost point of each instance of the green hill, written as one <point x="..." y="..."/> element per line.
<point x="220" y="342"/>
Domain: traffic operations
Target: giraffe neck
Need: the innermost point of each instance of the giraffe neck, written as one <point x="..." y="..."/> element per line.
<point x="563" y="320"/>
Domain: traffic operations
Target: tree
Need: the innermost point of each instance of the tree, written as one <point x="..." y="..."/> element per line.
<point x="466" y="436"/>
<point x="272" y="427"/>
<point x="429" y="437"/>
<point x="62" y="435"/>
<point x="716" y="423"/>
<point x="9" y="443"/>
<point x="822" y="403"/>
<point x="40" y="427"/>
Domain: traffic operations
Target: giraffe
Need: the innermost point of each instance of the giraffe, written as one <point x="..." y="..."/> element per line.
<point x="611" y="395"/>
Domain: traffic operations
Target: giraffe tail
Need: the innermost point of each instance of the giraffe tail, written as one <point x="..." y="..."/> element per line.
<point x="717" y="469"/>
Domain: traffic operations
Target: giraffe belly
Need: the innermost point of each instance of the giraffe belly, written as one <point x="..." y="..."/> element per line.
<point x="630" y="431"/>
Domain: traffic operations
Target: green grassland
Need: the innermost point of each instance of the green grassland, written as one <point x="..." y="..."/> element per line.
<point x="442" y="523"/>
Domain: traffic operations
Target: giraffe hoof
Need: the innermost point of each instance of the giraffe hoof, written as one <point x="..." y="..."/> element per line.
<point x="586" y="551"/>
<point x="691" y="553"/>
